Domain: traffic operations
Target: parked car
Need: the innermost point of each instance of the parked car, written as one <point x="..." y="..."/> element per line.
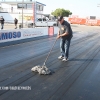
<point x="42" y="22"/>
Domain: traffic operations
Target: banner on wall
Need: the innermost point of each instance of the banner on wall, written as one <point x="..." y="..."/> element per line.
<point x="6" y="36"/>
<point x="26" y="17"/>
<point x="19" y="34"/>
<point x="13" y="35"/>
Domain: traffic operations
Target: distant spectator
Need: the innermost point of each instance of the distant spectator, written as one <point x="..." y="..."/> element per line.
<point x="16" y="22"/>
<point x="2" y="22"/>
<point x="12" y="9"/>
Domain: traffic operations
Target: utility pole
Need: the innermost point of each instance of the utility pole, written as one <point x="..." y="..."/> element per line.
<point x="98" y="5"/>
<point x="22" y="12"/>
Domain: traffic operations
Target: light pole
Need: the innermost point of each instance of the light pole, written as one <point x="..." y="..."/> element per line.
<point x="22" y="12"/>
<point x="98" y="5"/>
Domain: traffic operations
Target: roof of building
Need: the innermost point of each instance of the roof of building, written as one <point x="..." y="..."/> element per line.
<point x="40" y="3"/>
<point x="15" y="3"/>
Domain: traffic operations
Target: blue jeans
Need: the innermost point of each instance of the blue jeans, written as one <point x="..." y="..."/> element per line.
<point x="64" y="47"/>
<point x="2" y="25"/>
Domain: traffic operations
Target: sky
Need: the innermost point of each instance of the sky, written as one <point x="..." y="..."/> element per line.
<point x="82" y="8"/>
<point x="77" y="7"/>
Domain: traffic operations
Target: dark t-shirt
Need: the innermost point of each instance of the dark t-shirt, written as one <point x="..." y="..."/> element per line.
<point x="16" y="21"/>
<point x="2" y="20"/>
<point x="65" y="27"/>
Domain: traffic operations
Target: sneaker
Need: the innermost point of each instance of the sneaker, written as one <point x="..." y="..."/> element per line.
<point x="65" y="59"/>
<point x="60" y="57"/>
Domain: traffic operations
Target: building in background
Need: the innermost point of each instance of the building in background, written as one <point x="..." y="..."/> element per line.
<point x="11" y="9"/>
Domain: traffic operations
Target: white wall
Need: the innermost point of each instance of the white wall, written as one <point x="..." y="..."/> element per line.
<point x="6" y="7"/>
<point x="19" y="34"/>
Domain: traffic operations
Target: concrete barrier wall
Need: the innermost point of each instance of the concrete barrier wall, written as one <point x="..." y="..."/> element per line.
<point x="22" y="34"/>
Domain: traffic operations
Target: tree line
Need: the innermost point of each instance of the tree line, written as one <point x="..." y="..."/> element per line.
<point x="63" y="12"/>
